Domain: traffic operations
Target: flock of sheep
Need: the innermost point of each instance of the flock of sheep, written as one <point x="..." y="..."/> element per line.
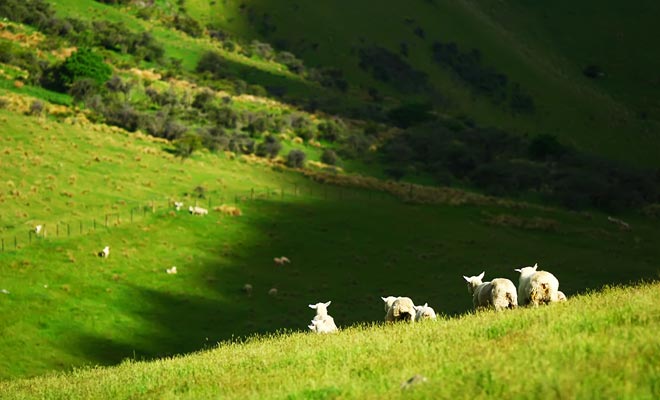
<point x="535" y="287"/>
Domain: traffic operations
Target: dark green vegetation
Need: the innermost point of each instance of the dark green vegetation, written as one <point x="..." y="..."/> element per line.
<point x="113" y="110"/>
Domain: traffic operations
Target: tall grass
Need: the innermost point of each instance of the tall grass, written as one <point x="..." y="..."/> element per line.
<point x="598" y="345"/>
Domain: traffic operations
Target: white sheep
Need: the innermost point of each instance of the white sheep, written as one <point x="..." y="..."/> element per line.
<point x="37" y="229"/>
<point x="322" y="322"/>
<point x="272" y="292"/>
<point x="198" y="210"/>
<point x="561" y="296"/>
<point x="178" y="205"/>
<point x="424" y="312"/>
<point x="500" y="293"/>
<point x="281" y="260"/>
<point x="171" y="271"/>
<point x="105" y="252"/>
<point x="247" y="289"/>
<point x="402" y="309"/>
<point x="537" y="287"/>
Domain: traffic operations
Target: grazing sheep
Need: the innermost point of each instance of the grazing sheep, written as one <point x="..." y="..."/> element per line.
<point x="499" y="293"/>
<point x="424" y="312"/>
<point x="403" y="309"/>
<point x="105" y="252"/>
<point x="536" y="287"/>
<point x="37" y="229"/>
<point x="247" y="288"/>
<point x="178" y="205"/>
<point x="198" y="210"/>
<point x="622" y="224"/>
<point x="322" y="322"/>
<point x="171" y="271"/>
<point x="281" y="260"/>
<point x="272" y="292"/>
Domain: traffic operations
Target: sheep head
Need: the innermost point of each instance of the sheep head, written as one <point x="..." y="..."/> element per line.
<point x="321" y="308"/>
<point x="389" y="300"/>
<point x="474" y="281"/>
<point x="526" y="271"/>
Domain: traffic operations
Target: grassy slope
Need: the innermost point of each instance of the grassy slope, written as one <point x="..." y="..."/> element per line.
<point x="347" y="246"/>
<point x="519" y="40"/>
<point x="600" y="345"/>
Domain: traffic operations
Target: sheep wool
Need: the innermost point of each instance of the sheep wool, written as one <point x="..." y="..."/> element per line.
<point x="322" y="322"/>
<point x="424" y="312"/>
<point x="536" y="287"/>
<point x="500" y="293"/>
<point x="403" y="309"/>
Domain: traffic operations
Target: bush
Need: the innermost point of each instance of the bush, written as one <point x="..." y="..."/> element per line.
<point x="83" y="89"/>
<point x="296" y="159"/>
<point x="186" y="145"/>
<point x="123" y="115"/>
<point x="36" y="108"/>
<point x="203" y="99"/>
<point x="213" y="63"/>
<point x="546" y="147"/>
<point x="225" y="117"/>
<point x="270" y="147"/>
<point x="329" y="157"/>
<point x="188" y="25"/>
<point x="330" y="130"/>
<point x="84" y="63"/>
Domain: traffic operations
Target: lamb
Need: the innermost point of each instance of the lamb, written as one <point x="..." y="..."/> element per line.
<point x="105" y="252"/>
<point x="424" y="312"/>
<point x="402" y="309"/>
<point x="198" y="210"/>
<point x="171" y="271"/>
<point x="178" y="205"/>
<point x="322" y="322"/>
<point x="537" y="287"/>
<point x="500" y="293"/>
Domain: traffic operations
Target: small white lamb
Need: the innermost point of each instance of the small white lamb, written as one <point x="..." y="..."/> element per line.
<point x="322" y="322"/>
<point x="281" y="260"/>
<point x="536" y="287"/>
<point x="499" y="293"/>
<point x="424" y="312"/>
<point x="198" y="210"/>
<point x="402" y="309"/>
<point x="105" y="252"/>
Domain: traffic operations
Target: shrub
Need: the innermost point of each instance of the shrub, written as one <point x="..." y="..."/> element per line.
<point x="203" y="99"/>
<point x="296" y="159"/>
<point x="83" y="89"/>
<point x="84" y="63"/>
<point x="225" y="117"/>
<point x="329" y="157"/>
<point x="36" y="108"/>
<point x="329" y="130"/>
<point x="213" y="63"/>
<point x="186" y="145"/>
<point x="546" y="147"/>
<point x="270" y="147"/>
<point x="123" y="115"/>
<point x="188" y="25"/>
<point x="262" y="50"/>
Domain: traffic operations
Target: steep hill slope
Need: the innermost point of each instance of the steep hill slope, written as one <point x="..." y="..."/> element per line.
<point x="601" y="345"/>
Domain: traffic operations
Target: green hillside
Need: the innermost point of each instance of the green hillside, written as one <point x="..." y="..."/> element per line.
<point x="386" y="149"/>
<point x="600" y="345"/>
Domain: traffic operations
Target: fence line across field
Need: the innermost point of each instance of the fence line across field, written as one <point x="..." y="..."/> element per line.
<point x="108" y="220"/>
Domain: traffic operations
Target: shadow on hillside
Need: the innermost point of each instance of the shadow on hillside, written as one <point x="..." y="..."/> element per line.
<point x="351" y="253"/>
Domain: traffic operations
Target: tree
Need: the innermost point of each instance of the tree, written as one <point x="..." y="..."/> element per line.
<point x="186" y="145"/>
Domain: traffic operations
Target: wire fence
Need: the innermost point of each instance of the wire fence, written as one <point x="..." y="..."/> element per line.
<point x="108" y="220"/>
